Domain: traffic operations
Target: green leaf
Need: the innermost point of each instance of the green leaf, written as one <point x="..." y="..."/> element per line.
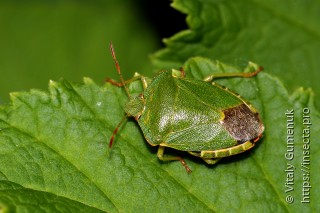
<point x="55" y="147"/>
<point x="15" y="198"/>
<point x="282" y="36"/>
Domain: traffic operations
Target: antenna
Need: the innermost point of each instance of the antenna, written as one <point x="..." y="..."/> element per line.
<point x="118" y="69"/>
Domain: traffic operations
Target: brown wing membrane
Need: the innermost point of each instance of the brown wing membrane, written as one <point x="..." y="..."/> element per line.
<point x="242" y="123"/>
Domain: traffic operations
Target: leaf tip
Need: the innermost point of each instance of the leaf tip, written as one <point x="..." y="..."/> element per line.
<point x="52" y="83"/>
<point x="87" y="80"/>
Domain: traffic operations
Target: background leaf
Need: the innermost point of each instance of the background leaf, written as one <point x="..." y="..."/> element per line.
<point x="282" y="36"/>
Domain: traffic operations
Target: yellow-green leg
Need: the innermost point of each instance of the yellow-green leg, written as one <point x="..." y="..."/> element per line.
<point x="137" y="76"/>
<point x="227" y="75"/>
<point x="211" y="161"/>
<point x="161" y="157"/>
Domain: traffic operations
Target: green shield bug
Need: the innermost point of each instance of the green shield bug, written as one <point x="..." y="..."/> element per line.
<point x="200" y="117"/>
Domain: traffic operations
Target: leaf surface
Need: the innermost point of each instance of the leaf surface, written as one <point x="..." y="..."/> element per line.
<point x="56" y="143"/>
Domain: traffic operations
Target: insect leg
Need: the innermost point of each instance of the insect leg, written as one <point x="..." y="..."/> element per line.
<point x="121" y="84"/>
<point x="161" y="157"/>
<point x="183" y="73"/>
<point x="211" y="161"/>
<point x="179" y="73"/>
<point x="115" y="131"/>
<point x="228" y="75"/>
<point x="134" y="78"/>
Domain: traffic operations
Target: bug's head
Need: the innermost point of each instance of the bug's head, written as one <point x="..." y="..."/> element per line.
<point x="134" y="107"/>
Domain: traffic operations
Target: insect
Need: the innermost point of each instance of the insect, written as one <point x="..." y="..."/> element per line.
<point x="200" y="117"/>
